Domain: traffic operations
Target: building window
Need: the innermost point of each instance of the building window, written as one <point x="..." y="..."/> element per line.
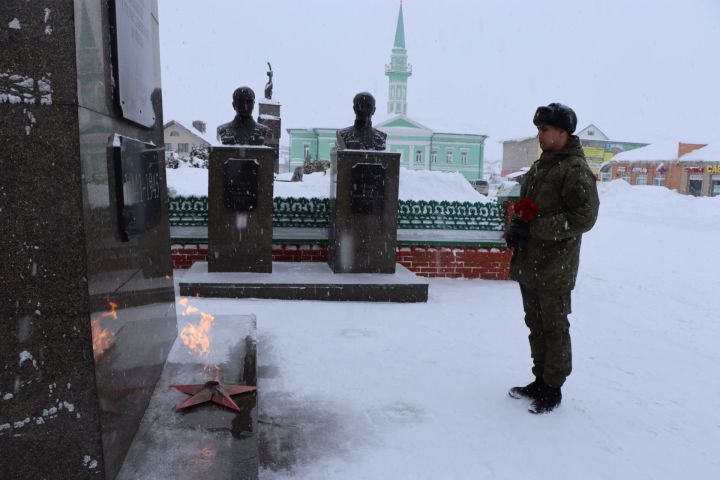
<point x="306" y="151"/>
<point x="433" y="156"/>
<point x="591" y="133"/>
<point x="641" y="179"/>
<point x="463" y="157"/>
<point x="183" y="148"/>
<point x="418" y="156"/>
<point x="715" y="186"/>
<point x="695" y="185"/>
<point x="449" y="156"/>
<point x="174" y="133"/>
<point x="168" y="147"/>
<point x="659" y="179"/>
<point x="625" y="176"/>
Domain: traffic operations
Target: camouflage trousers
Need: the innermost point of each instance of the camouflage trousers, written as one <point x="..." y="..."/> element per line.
<point x="546" y="315"/>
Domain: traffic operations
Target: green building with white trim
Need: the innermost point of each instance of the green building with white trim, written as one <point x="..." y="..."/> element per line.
<point x="420" y="147"/>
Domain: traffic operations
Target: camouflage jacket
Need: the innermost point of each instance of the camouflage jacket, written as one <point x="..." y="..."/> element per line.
<point x="563" y="185"/>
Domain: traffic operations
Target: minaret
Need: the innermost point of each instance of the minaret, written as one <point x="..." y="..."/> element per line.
<point x="398" y="71"/>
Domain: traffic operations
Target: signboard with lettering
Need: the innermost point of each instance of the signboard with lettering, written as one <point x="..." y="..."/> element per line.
<point x="713" y="169"/>
<point x="240" y="185"/>
<point x="639" y="170"/>
<point x="368" y="188"/>
<point x="137" y="186"/>
<point x="134" y="48"/>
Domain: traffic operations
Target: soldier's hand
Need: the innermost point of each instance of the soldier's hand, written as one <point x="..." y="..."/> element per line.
<point x="516" y="232"/>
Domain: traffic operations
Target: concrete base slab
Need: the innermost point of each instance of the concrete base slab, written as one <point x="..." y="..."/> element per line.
<point x="306" y="281"/>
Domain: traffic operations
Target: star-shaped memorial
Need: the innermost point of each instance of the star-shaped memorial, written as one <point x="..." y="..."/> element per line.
<point x="212" y="391"/>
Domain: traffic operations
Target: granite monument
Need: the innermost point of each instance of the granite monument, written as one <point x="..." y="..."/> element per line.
<point x="364" y="187"/>
<point x="240" y="193"/>
<point x="87" y="304"/>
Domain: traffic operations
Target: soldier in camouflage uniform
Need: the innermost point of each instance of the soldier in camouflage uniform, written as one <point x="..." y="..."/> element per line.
<point x="561" y="188"/>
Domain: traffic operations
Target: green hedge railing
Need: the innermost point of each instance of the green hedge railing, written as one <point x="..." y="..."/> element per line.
<point x="314" y="213"/>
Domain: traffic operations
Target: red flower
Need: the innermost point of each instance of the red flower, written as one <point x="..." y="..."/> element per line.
<point x="527" y="209"/>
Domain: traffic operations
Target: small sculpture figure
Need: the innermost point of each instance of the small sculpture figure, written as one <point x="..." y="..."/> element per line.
<point x="243" y="130"/>
<point x="269" y="84"/>
<point x="362" y="136"/>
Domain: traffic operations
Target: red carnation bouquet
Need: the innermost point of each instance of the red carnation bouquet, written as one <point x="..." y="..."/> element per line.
<point x="526" y="209"/>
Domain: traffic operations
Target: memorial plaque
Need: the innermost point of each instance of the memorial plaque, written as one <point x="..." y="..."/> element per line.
<point x="137" y="186"/>
<point x="363" y="211"/>
<point x="368" y="188"/>
<point x="134" y="29"/>
<point x="240" y="190"/>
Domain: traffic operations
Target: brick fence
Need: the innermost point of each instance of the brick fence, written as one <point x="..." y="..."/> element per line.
<point x="490" y="263"/>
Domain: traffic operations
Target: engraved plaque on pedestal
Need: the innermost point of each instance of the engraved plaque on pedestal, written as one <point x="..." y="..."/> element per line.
<point x="367" y="194"/>
<point x="240" y="193"/>
<point x="363" y="211"/>
<point x="137" y="186"/>
<point x="240" y="189"/>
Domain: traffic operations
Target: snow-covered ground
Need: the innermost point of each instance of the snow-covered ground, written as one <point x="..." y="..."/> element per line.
<point x="418" y="391"/>
<point x="414" y="185"/>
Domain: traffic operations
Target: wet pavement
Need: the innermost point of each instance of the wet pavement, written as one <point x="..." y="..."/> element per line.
<point x="207" y="440"/>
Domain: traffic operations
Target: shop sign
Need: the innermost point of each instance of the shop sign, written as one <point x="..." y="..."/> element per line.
<point x="695" y="177"/>
<point x="713" y="169"/>
<point x="695" y="169"/>
<point x="621" y="169"/>
<point x="639" y="170"/>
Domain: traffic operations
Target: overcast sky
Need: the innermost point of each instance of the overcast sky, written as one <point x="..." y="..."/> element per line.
<point x="640" y="70"/>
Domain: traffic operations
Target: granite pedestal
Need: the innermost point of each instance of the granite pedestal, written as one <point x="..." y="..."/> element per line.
<point x="363" y="211"/>
<point x="87" y="303"/>
<point x="306" y="281"/>
<point x="240" y="195"/>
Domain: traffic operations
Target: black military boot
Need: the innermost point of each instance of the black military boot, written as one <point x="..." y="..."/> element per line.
<point x="547" y="399"/>
<point x="528" y="391"/>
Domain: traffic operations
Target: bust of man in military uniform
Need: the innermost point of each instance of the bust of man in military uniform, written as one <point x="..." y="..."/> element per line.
<point x="243" y="130"/>
<point x="362" y="136"/>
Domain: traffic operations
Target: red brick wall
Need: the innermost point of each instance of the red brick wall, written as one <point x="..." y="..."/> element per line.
<point x="456" y="262"/>
<point x="427" y="261"/>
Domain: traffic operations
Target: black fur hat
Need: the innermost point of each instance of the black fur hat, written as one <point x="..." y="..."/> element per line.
<point x="556" y="115"/>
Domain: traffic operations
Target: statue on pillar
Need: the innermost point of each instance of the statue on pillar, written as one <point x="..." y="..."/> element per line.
<point x="269" y="84"/>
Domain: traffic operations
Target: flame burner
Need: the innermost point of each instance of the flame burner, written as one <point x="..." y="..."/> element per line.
<point x="212" y="391"/>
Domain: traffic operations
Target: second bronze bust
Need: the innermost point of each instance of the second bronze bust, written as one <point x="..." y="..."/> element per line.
<point x="362" y="136"/>
<point x="243" y="130"/>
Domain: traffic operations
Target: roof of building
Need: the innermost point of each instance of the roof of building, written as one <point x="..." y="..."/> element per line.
<point x="654" y="152"/>
<point x="584" y="133"/>
<point x="404" y="125"/>
<point x="206" y="137"/>
<point x="709" y="153"/>
<point x="400" y="31"/>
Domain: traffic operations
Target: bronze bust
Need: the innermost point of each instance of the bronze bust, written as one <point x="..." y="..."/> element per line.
<point x="243" y="130"/>
<point x="362" y="136"/>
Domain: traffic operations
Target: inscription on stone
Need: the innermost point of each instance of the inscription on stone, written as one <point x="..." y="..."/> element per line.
<point x="368" y="188"/>
<point x="240" y="190"/>
<point x="134" y="59"/>
<point x="137" y="186"/>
